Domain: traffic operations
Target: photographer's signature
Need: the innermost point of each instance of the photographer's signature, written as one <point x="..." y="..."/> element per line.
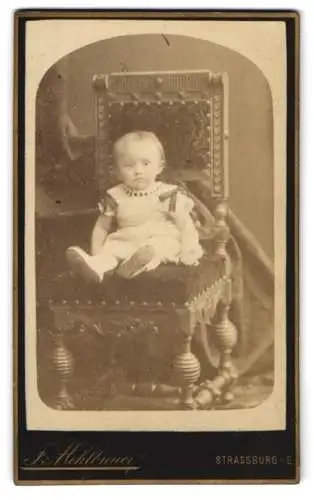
<point x="77" y="455"/>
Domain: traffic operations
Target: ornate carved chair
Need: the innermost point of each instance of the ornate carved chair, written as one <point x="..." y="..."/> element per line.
<point x="175" y="309"/>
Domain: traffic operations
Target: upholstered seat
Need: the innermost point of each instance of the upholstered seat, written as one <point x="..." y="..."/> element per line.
<point x="168" y="284"/>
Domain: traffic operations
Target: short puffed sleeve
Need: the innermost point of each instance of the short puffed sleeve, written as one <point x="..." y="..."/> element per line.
<point x="184" y="204"/>
<point x="108" y="206"/>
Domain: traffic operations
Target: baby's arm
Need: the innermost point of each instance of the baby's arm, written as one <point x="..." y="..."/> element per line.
<point x="101" y="229"/>
<point x="191" y="250"/>
<point x="107" y="207"/>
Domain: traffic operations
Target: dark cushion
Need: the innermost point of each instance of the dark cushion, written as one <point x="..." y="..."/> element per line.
<point x="169" y="283"/>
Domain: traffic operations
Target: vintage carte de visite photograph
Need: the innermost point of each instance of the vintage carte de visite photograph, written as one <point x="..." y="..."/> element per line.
<point x="155" y="159"/>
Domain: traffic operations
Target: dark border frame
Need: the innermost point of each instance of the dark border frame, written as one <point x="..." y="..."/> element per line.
<point x="162" y="457"/>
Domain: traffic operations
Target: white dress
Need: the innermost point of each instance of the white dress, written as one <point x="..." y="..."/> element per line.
<point x="152" y="218"/>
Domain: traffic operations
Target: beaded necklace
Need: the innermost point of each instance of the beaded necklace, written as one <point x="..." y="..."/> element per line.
<point x="140" y="193"/>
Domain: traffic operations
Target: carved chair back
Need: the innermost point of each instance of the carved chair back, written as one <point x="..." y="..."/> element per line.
<point x="188" y="111"/>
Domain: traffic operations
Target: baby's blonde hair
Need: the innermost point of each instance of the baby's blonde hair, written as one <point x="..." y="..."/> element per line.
<point x="139" y="135"/>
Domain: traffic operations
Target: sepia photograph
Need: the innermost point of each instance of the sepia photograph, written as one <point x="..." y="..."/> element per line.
<point x="155" y="226"/>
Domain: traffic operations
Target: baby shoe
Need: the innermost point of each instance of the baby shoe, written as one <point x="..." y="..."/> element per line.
<point x="137" y="263"/>
<point x="80" y="263"/>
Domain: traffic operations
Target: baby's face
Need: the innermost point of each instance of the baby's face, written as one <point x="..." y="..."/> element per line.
<point x="139" y="163"/>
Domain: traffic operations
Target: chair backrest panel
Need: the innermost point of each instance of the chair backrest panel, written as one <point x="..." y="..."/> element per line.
<point x="188" y="111"/>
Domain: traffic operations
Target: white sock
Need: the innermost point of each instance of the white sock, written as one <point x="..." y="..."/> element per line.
<point x="103" y="263"/>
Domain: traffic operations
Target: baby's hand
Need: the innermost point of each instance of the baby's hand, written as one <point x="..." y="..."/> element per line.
<point x="189" y="258"/>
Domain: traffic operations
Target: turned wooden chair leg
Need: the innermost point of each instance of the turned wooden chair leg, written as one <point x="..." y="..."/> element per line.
<point x="226" y="338"/>
<point x="202" y="350"/>
<point x="187" y="370"/>
<point x="63" y="363"/>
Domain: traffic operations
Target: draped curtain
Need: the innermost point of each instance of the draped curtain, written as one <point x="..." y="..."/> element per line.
<point x="64" y="157"/>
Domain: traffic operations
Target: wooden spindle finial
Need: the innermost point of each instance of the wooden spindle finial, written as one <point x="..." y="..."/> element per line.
<point x="159" y="82"/>
<point x="100" y="82"/>
<point x="221" y="211"/>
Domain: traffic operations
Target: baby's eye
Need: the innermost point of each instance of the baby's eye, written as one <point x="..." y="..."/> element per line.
<point x="146" y="162"/>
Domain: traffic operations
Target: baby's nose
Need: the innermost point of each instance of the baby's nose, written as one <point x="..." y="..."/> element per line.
<point x="138" y="168"/>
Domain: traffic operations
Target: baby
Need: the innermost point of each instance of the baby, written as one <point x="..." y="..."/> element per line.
<point x="153" y="219"/>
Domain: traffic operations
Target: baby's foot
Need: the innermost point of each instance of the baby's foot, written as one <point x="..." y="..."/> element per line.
<point x="137" y="263"/>
<point x="81" y="263"/>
